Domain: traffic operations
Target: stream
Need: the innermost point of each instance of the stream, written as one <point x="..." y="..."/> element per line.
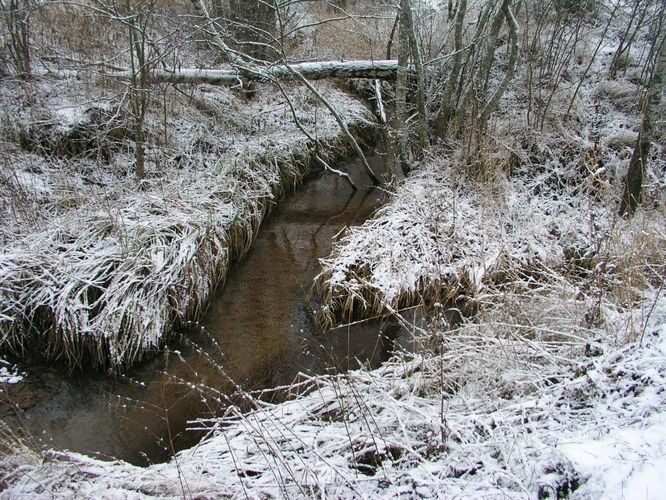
<point x="258" y="333"/>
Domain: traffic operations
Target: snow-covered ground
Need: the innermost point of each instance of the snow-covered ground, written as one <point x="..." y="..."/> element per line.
<point x="9" y="373"/>
<point x="485" y="410"/>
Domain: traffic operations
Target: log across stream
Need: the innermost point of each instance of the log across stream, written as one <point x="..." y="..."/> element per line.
<point x="258" y="333"/>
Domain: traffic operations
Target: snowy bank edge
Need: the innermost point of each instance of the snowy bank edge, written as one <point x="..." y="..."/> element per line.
<point x="88" y="323"/>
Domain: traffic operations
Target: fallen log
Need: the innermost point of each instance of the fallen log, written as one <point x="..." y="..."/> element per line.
<point x="376" y="70"/>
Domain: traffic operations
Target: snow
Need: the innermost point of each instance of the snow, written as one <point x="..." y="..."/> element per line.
<point x="9" y="373"/>
<point x="629" y="461"/>
<point x="626" y="463"/>
<point x="483" y="414"/>
<point x="554" y="388"/>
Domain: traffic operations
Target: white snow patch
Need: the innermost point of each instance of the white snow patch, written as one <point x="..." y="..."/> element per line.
<point x="9" y="374"/>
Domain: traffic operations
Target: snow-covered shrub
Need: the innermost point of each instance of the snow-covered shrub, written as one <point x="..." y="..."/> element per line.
<point x="9" y="373"/>
<point x="98" y="133"/>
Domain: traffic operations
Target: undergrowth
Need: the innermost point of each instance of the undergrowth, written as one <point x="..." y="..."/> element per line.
<point x="490" y="407"/>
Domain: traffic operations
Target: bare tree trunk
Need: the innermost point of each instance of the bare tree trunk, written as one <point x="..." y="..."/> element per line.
<point x="16" y="15"/>
<point x="401" y="91"/>
<point x="483" y="75"/>
<point x="422" y="126"/>
<point x="389" y="44"/>
<point x="449" y="100"/>
<point x="633" y="182"/>
<point x="514" y="36"/>
<point x="137" y="23"/>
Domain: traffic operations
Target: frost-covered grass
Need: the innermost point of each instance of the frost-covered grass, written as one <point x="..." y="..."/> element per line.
<point x="534" y="407"/>
<point x="446" y="237"/>
<point x="97" y="269"/>
<point x="528" y="199"/>
<point x="553" y="387"/>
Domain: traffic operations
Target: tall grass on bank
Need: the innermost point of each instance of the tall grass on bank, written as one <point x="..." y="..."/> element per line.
<point x="103" y="288"/>
<point x="446" y="237"/>
<point x="97" y="269"/>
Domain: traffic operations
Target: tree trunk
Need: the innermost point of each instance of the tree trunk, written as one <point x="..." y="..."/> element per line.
<point x="633" y="182"/>
<point x="137" y="22"/>
<point x="514" y="36"/>
<point x="422" y="126"/>
<point x="16" y="16"/>
<point x="376" y="70"/>
<point x="401" y="91"/>
<point x="253" y="26"/>
<point x="449" y="99"/>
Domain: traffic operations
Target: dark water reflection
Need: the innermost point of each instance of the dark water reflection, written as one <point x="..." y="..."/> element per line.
<point x="258" y="333"/>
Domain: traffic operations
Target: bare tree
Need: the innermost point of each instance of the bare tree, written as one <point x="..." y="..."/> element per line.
<point x="633" y="181"/>
<point x="256" y="68"/>
<point x="138" y="16"/>
<point x="16" y="18"/>
<point x="449" y="96"/>
<point x="417" y="57"/>
<point x="639" y="11"/>
<point x="468" y="99"/>
<point x="253" y="27"/>
<point x="514" y="41"/>
<point x="401" y="91"/>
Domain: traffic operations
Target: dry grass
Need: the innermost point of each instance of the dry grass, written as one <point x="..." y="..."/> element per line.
<point x="108" y="287"/>
<point x="486" y="408"/>
<point x="97" y="270"/>
<point x="446" y="237"/>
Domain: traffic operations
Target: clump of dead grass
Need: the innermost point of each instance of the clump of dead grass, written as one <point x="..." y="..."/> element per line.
<point x="445" y="237"/>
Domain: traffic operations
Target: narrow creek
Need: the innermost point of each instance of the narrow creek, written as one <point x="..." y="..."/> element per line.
<point x="258" y="332"/>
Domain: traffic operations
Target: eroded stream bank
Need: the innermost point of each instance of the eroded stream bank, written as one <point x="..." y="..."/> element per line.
<point x="258" y="332"/>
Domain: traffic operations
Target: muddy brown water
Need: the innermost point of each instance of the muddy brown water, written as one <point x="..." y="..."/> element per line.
<point x="258" y="332"/>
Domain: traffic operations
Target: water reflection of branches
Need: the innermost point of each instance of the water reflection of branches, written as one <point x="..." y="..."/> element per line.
<point x="341" y="213"/>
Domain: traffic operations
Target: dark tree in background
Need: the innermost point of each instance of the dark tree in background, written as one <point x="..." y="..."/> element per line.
<point x="633" y="181"/>
<point x="252" y="26"/>
<point x="16" y="19"/>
